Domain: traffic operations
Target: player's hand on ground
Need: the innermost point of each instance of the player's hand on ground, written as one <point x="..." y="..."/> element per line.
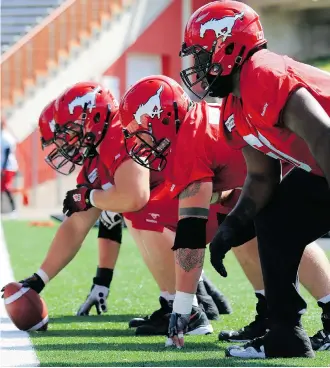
<point x="177" y="328"/>
<point x="98" y="298"/>
<point x="77" y="200"/>
<point x="33" y="282"/>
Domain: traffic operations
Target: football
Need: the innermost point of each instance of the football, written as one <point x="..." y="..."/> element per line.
<point x="25" y="307"/>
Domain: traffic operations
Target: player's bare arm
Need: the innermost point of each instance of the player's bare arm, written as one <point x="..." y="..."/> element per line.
<point x="194" y="204"/>
<point x="263" y="175"/>
<point x="68" y="240"/>
<point x="306" y="117"/>
<point x="130" y="193"/>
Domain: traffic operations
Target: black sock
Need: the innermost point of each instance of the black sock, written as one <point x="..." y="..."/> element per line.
<point x="261" y="307"/>
<point x="103" y="277"/>
<point x="325" y="318"/>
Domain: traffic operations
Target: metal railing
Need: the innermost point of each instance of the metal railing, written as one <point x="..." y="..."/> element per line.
<point x="37" y="51"/>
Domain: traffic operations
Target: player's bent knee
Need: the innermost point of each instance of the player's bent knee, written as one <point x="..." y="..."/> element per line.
<point x="190" y="233"/>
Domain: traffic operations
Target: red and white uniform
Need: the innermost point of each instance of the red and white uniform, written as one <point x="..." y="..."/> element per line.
<point x="99" y="171"/>
<point x="266" y="82"/>
<point x="198" y="156"/>
<point x="8" y="173"/>
<point x="161" y="211"/>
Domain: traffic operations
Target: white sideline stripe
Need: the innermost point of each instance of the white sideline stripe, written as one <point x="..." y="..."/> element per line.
<point x="16" y="349"/>
<point x="17" y="295"/>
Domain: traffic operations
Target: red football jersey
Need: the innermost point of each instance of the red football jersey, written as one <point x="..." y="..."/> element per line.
<point x="200" y="154"/>
<point x="266" y="82"/>
<point x="95" y="173"/>
<point x="162" y="211"/>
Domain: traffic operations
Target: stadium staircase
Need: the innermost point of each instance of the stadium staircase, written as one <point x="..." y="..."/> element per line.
<point x="48" y="45"/>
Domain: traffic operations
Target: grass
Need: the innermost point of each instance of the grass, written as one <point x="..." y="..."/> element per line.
<point x="106" y="340"/>
<point x="323" y="64"/>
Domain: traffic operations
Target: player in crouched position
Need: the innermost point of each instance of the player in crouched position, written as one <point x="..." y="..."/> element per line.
<point x="274" y="109"/>
<point x="199" y="165"/>
<point x="110" y="223"/>
<point x="78" y="132"/>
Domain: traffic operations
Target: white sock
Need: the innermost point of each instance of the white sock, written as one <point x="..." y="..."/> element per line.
<point x="325" y="299"/>
<point x="164" y="294"/>
<point x="262" y="292"/>
<point x="195" y="302"/>
<point x="170" y="297"/>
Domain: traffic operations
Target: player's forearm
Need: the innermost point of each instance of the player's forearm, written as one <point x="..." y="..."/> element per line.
<point x="67" y="241"/>
<point x="188" y="269"/>
<point x="256" y="193"/>
<point x="321" y="151"/>
<point x="115" y="200"/>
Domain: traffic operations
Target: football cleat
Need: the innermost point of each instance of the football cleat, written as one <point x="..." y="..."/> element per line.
<point x="280" y="342"/>
<point x="321" y="341"/>
<point x="156" y="316"/>
<point x="207" y="302"/>
<point x="219" y="299"/>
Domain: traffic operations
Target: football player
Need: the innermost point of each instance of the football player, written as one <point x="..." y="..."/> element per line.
<point x="85" y="115"/>
<point x="110" y="223"/>
<point x="199" y="165"/>
<point x="274" y="108"/>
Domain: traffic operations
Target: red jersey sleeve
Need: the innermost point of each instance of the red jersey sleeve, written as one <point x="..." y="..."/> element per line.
<point x="266" y="83"/>
<point x="190" y="162"/>
<point x="112" y="149"/>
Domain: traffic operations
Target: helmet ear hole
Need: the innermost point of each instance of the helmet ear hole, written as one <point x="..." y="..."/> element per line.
<point x="166" y="121"/>
<point x="97" y="117"/>
<point x="229" y="49"/>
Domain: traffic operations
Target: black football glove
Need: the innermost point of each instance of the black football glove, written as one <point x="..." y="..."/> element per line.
<point x="34" y="282"/>
<point x="77" y="200"/>
<point x="177" y="327"/>
<point x="230" y="234"/>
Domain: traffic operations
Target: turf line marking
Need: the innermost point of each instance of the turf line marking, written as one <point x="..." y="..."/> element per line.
<point x="16" y="349"/>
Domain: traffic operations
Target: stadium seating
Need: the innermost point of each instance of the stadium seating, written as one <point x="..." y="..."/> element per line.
<point x="19" y="16"/>
<point x="37" y="35"/>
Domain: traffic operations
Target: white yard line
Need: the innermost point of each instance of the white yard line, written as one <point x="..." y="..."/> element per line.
<point x="16" y="349"/>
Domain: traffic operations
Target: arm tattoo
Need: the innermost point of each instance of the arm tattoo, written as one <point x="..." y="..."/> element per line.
<point x="188" y="259"/>
<point x="191" y="190"/>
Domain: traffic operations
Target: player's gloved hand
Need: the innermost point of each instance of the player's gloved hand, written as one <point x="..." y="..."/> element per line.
<point x="77" y="200"/>
<point x="230" y="234"/>
<point x="178" y="326"/>
<point x="98" y="298"/>
<point x="34" y="282"/>
<point x="110" y="219"/>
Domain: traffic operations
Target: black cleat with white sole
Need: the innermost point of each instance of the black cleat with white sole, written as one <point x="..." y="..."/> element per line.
<point x="256" y="328"/>
<point x="279" y="342"/>
<point x="198" y="325"/>
<point x="321" y="341"/>
<point x="219" y="299"/>
<point x="156" y="317"/>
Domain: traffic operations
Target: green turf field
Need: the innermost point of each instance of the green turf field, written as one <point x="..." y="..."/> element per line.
<point x="322" y="64"/>
<point x="106" y="340"/>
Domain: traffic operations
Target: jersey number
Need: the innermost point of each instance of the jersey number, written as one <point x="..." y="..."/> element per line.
<point x="262" y="141"/>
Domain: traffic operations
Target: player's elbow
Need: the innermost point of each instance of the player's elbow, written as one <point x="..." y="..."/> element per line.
<point x="139" y="200"/>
